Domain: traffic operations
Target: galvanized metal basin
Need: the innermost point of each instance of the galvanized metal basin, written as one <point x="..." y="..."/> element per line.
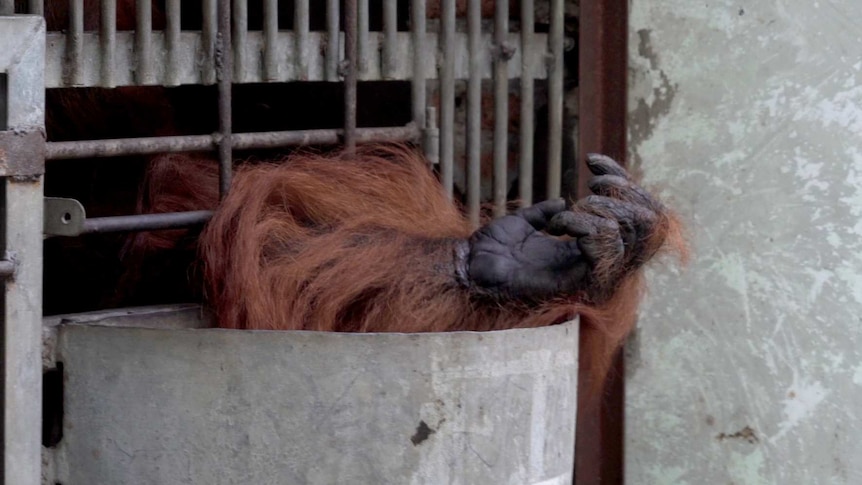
<point x="154" y="400"/>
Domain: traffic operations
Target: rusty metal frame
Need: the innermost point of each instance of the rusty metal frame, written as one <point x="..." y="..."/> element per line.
<point x="22" y="141"/>
<point x="602" y="101"/>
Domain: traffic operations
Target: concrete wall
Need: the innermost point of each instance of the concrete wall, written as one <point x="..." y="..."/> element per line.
<point x="747" y="368"/>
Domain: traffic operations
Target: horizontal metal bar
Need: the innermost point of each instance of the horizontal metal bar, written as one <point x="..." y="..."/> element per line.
<point x="7" y="268"/>
<point x="192" y="46"/>
<point x="146" y="222"/>
<point x="241" y="141"/>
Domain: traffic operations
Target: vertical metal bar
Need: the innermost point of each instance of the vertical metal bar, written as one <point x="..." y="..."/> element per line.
<point x="555" y="100"/>
<point x="209" y="28"/>
<point x="474" y="111"/>
<point x="525" y="168"/>
<point x="350" y="47"/>
<point x="417" y="12"/>
<point x="431" y="137"/>
<point x="108" y="41"/>
<point x="172" y="39"/>
<point x="240" y="38"/>
<point x="75" y="44"/>
<point x="21" y="199"/>
<point x="501" y="106"/>
<point x="36" y="7"/>
<point x="390" y="14"/>
<point x="603" y="70"/>
<point x="332" y="40"/>
<point x="224" y="70"/>
<point x="144" y="42"/>
<point x="270" y="40"/>
<point x="300" y="30"/>
<point x="447" y="96"/>
<point x="362" y="38"/>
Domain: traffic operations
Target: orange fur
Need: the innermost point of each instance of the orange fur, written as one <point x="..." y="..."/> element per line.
<point x="364" y="244"/>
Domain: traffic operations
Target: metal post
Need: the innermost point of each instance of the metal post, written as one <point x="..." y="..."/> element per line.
<point x="270" y="40"/>
<point x="350" y="47"/>
<point x="240" y="38"/>
<point x="447" y="96"/>
<point x="209" y="29"/>
<point x="333" y="39"/>
<point x="603" y="69"/>
<point x="474" y="112"/>
<point x="362" y="47"/>
<point x="22" y="60"/>
<point x="37" y="7"/>
<point x="501" y="106"/>
<point x="390" y="13"/>
<point x="224" y="71"/>
<point x="144" y="42"/>
<point x="525" y="168"/>
<point x="172" y="41"/>
<point x="417" y="25"/>
<point x="555" y="100"/>
<point x="108" y="41"/>
<point x="300" y="30"/>
<point x="75" y="44"/>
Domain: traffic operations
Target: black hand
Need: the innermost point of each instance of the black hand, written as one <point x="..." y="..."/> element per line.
<point x="510" y="257"/>
<point x="612" y="233"/>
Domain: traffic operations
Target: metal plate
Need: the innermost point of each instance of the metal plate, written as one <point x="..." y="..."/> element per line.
<point x="146" y="405"/>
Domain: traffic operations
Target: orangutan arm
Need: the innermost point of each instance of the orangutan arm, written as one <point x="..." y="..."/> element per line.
<point x="613" y="233"/>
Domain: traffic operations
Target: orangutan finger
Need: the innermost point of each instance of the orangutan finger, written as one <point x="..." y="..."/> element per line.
<point x="603" y="165"/>
<point x="539" y="214"/>
<point x="621" y="188"/>
<point x="635" y="222"/>
<point x="580" y="224"/>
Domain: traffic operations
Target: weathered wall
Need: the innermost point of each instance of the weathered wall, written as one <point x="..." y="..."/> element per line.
<point x="748" y="366"/>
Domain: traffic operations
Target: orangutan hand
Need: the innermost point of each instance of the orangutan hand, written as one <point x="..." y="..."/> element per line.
<point x="614" y="232"/>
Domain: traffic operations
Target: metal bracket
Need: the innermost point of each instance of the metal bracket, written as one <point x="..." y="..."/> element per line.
<point x="64" y="217"/>
<point x="22" y="153"/>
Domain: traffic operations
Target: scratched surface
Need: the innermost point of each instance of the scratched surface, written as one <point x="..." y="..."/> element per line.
<point x="747" y="368"/>
<point x="182" y="406"/>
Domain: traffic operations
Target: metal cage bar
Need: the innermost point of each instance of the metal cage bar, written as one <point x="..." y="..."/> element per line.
<point x="333" y="39"/>
<point x="417" y="27"/>
<point x="69" y="150"/>
<point x="144" y="42"/>
<point x="301" y="30"/>
<point x="555" y="100"/>
<point x="501" y="105"/>
<point x="36" y="7"/>
<point x="362" y="42"/>
<point x="474" y="113"/>
<point x="270" y="40"/>
<point x="447" y="96"/>
<point x="390" y="29"/>
<point x="224" y="72"/>
<point x="239" y="39"/>
<point x="526" y="129"/>
<point x="172" y="41"/>
<point x="350" y="48"/>
<point x="603" y="71"/>
<point x="23" y="62"/>
<point x="108" y="41"/>
<point x="209" y="32"/>
<point x="75" y="43"/>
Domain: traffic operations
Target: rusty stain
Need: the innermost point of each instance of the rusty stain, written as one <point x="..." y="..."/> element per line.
<point x="745" y="433"/>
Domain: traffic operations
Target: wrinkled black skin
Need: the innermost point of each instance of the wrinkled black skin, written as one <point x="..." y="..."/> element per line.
<point x="518" y="257"/>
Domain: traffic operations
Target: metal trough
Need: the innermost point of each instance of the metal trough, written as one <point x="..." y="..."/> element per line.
<point x="151" y="398"/>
